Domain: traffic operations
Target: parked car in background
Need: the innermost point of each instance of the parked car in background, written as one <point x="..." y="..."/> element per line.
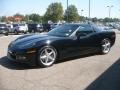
<point x="10" y="27"/>
<point x="116" y="26"/>
<point x="46" y="27"/>
<point x="3" y="29"/>
<point x="40" y="28"/>
<point x="34" y="28"/>
<point x="105" y="27"/>
<point x="54" y="25"/>
<point x="20" y="28"/>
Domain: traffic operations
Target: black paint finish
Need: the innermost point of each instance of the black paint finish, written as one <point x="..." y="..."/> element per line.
<point x="82" y="39"/>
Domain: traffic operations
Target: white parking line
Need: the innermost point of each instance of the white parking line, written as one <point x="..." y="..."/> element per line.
<point x="10" y="36"/>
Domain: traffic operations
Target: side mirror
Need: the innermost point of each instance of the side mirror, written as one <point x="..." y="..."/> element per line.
<point x="80" y="34"/>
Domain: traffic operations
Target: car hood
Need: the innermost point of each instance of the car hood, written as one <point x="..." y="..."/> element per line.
<point x="33" y="39"/>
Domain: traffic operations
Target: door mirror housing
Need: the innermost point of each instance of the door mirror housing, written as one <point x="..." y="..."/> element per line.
<point x="80" y="34"/>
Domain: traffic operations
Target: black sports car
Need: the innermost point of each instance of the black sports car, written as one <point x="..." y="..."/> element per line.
<point x="62" y="42"/>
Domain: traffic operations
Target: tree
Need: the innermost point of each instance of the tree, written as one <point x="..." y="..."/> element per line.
<point x="54" y="12"/>
<point x="72" y="13"/>
<point x="94" y="19"/>
<point x="3" y="19"/>
<point x="115" y="20"/>
<point x="0" y="18"/>
<point x="26" y="19"/>
<point x="82" y="18"/>
<point x="107" y="19"/>
<point x="18" y="17"/>
<point x="36" y="18"/>
<point x="10" y="18"/>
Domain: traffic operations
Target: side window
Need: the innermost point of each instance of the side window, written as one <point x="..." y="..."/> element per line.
<point x="86" y="30"/>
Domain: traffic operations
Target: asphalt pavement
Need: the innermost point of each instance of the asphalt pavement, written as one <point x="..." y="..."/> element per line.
<point x="89" y="72"/>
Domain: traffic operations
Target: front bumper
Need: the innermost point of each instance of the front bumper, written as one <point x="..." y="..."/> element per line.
<point x="22" y="57"/>
<point x="22" y="30"/>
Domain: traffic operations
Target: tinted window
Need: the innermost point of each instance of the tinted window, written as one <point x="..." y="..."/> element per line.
<point x="85" y="28"/>
<point x="14" y="25"/>
<point x="64" y="30"/>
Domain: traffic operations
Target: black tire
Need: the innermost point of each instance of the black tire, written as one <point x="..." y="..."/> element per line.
<point x="15" y="32"/>
<point x="105" y="46"/>
<point x="6" y="34"/>
<point x="25" y="32"/>
<point x="40" y="61"/>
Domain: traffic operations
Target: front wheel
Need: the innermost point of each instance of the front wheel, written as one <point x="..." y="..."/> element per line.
<point x="47" y="56"/>
<point x="105" y="46"/>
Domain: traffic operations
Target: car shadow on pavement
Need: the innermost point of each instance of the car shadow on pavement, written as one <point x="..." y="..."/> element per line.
<point x="5" y="62"/>
<point x="76" y="57"/>
<point x="109" y="80"/>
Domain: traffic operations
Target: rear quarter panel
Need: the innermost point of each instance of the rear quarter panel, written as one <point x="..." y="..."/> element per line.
<point x="108" y="34"/>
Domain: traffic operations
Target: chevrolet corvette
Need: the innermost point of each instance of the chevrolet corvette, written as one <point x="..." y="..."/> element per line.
<point x="65" y="41"/>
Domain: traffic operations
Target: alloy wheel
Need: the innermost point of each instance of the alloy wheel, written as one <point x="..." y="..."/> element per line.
<point x="106" y="45"/>
<point x="47" y="56"/>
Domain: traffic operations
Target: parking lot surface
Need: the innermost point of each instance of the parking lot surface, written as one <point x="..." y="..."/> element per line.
<point x="89" y="72"/>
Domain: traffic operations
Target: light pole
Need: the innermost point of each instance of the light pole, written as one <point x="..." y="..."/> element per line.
<point x="67" y="10"/>
<point x="109" y="10"/>
<point x="89" y="8"/>
<point x="119" y="10"/>
<point x="82" y="12"/>
<point x="28" y="19"/>
<point x="0" y="19"/>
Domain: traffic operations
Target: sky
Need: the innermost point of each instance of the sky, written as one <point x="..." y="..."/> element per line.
<point x="99" y="8"/>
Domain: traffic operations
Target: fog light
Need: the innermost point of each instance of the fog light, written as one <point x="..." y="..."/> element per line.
<point x="32" y="51"/>
<point x="20" y="57"/>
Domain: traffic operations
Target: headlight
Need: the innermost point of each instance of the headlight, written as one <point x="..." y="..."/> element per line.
<point x="27" y="45"/>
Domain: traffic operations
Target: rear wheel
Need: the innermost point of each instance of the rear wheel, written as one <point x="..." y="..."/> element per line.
<point x="6" y="34"/>
<point x="47" y="56"/>
<point x="105" y="46"/>
<point x="25" y="32"/>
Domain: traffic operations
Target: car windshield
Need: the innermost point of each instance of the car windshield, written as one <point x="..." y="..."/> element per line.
<point x="63" y="31"/>
<point x="21" y="24"/>
<point x="15" y="25"/>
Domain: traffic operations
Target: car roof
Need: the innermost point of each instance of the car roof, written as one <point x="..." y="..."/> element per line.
<point x="79" y="24"/>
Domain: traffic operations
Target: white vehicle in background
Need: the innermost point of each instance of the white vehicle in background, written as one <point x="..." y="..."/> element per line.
<point x="10" y="27"/>
<point x="20" y="28"/>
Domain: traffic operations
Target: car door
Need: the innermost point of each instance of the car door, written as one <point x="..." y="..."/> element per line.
<point x="86" y="41"/>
